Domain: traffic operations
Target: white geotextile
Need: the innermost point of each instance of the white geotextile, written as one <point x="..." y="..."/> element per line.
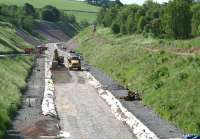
<point x="48" y="104"/>
<point x="138" y="128"/>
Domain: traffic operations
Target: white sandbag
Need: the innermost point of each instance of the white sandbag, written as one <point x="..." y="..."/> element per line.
<point x="48" y="104"/>
<point x="120" y="112"/>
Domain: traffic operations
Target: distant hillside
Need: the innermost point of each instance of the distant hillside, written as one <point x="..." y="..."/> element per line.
<point x="63" y="5"/>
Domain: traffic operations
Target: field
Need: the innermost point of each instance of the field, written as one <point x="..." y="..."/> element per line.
<point x="13" y="75"/>
<point x="60" y="4"/>
<point x="9" y="41"/>
<point x="81" y="16"/>
<point x="167" y="77"/>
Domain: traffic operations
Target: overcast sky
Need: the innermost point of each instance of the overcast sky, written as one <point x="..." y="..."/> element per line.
<point x="140" y="1"/>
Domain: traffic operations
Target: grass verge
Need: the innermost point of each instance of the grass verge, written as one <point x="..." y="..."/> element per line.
<point x="169" y="83"/>
<point x="13" y="75"/>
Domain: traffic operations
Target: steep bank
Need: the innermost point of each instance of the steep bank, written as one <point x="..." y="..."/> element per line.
<point x="168" y="81"/>
<point x="10" y="42"/>
<point x="13" y="75"/>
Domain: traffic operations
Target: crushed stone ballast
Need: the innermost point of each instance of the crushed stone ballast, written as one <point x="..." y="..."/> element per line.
<point x="140" y="130"/>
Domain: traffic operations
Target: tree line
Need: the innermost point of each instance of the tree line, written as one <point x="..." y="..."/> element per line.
<point x="25" y="17"/>
<point x="179" y="19"/>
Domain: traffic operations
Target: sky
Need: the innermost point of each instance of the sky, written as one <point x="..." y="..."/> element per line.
<point x="140" y="1"/>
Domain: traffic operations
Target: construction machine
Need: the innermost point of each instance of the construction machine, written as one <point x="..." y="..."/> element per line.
<point x="74" y="61"/>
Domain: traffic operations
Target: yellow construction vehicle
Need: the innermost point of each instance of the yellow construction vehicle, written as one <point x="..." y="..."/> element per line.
<point x="74" y="61"/>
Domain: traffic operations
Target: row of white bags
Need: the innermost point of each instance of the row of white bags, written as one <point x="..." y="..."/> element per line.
<point x="120" y="112"/>
<point x="48" y="103"/>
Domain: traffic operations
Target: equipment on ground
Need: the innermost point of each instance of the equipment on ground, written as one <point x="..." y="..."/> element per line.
<point x="41" y="48"/>
<point x="60" y="60"/>
<point x="28" y="50"/>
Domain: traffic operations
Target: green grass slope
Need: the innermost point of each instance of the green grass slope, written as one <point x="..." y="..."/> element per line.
<point x="169" y="83"/>
<point x="9" y="41"/>
<point x="61" y="4"/>
<point x="13" y="74"/>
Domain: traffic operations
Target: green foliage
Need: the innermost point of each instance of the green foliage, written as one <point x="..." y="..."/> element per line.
<point x="106" y="20"/>
<point x="131" y="26"/>
<point x="19" y="17"/>
<point x="141" y="24"/>
<point x="115" y="27"/>
<point x="182" y="76"/>
<point x="196" y="19"/>
<point x="28" y="23"/>
<point x="61" y="5"/>
<point x="13" y="81"/>
<point x="84" y="24"/>
<point x="29" y="10"/>
<point x="9" y="41"/>
<point x="123" y="29"/>
<point x="156" y="28"/>
<point x="170" y="83"/>
<point x="50" y="13"/>
<point x="172" y="19"/>
<point x="179" y="19"/>
<point x="100" y="15"/>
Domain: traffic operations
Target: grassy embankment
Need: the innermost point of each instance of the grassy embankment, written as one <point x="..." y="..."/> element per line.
<point x="13" y="74"/>
<point x="9" y="41"/>
<point x="63" y="5"/>
<point x="169" y="83"/>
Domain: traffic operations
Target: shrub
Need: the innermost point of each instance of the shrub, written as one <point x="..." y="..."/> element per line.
<point x="84" y="24"/>
<point x="115" y="28"/>
<point x="50" y="13"/>
<point x="182" y="76"/>
<point x="158" y="85"/>
<point x="160" y="73"/>
<point x="123" y="29"/>
<point x="28" y="23"/>
<point x="29" y="10"/>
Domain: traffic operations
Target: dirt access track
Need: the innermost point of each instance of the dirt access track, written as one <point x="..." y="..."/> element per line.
<point x="83" y="114"/>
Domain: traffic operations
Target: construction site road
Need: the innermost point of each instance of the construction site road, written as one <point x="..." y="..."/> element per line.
<point x="83" y="114"/>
